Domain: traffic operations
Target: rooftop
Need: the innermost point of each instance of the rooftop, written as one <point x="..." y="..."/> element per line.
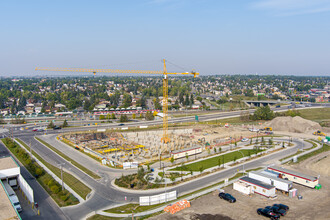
<point x="7" y="163"/>
<point x="257" y="182"/>
<point x="287" y="171"/>
<point x="272" y="177"/>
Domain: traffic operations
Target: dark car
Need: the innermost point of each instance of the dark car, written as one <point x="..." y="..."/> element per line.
<point x="227" y="196"/>
<point x="281" y="206"/>
<point x="277" y="210"/>
<point x="121" y="124"/>
<point x="268" y="213"/>
<point x="56" y="127"/>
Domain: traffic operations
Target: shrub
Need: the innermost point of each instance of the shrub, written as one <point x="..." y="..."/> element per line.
<point x="50" y="183"/>
<point x="55" y="189"/>
<point x="39" y="172"/>
<point x="64" y="198"/>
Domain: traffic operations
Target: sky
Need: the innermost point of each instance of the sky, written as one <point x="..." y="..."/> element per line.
<point x="208" y="36"/>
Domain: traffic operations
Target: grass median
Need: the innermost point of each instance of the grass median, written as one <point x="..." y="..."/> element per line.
<point x="62" y="198"/>
<point x="78" y="165"/>
<point x="216" y="161"/>
<point x="80" y="188"/>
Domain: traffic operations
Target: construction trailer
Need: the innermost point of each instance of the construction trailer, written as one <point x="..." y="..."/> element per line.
<point x="296" y="177"/>
<point x="242" y="187"/>
<point x="259" y="187"/>
<point x="280" y="184"/>
<point x="186" y="152"/>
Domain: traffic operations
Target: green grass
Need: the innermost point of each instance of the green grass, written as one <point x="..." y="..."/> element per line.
<point x="325" y="148"/>
<point x="79" y="187"/>
<point x="316" y="114"/>
<point x="90" y="173"/>
<point x="214" y="161"/>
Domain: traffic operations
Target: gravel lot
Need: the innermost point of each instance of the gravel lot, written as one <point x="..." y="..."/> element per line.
<point x="314" y="205"/>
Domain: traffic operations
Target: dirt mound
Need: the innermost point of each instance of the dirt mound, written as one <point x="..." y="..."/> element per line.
<point x="293" y="124"/>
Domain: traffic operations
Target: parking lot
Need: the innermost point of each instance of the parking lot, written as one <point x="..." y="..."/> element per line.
<point x="314" y="205"/>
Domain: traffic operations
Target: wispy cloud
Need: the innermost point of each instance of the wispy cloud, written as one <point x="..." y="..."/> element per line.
<point x="292" y="7"/>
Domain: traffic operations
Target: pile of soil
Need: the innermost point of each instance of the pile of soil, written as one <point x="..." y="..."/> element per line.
<point x="293" y="124"/>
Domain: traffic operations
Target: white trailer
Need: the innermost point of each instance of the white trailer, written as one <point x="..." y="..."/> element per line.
<point x="281" y="184"/>
<point x="259" y="187"/>
<point x="242" y="187"/>
<point x="295" y="177"/>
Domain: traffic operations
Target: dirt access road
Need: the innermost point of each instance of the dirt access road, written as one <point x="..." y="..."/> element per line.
<point x="314" y="205"/>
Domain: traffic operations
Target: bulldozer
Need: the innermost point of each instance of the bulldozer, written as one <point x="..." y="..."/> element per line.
<point x="268" y="128"/>
<point x="319" y="133"/>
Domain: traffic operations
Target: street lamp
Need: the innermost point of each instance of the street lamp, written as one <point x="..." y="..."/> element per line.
<point x="242" y="157"/>
<point x="61" y="165"/>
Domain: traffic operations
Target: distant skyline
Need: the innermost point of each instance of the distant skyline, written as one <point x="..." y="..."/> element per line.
<point x="276" y="37"/>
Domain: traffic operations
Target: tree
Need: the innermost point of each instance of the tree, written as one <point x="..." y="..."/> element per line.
<point x="235" y="158"/>
<point x="187" y="156"/>
<point x="113" y="116"/>
<point x="65" y="123"/>
<point x="172" y="160"/>
<point x="263" y="113"/>
<point x="51" y="124"/>
<point x="201" y="168"/>
<point x="219" y="149"/>
<point x="134" y="116"/>
<point x="191" y="99"/>
<point x="102" y="117"/>
<point x="219" y="161"/>
<point x="262" y="140"/>
<point x="270" y="141"/>
<point x="123" y="118"/>
<point x="149" y="116"/>
<point x="215" y="150"/>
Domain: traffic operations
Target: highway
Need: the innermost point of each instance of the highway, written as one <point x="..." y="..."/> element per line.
<point x="104" y="194"/>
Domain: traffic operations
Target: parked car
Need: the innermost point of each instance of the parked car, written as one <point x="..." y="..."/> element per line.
<point x="277" y="210"/>
<point x="245" y="139"/>
<point x="121" y="124"/>
<point x="268" y="213"/>
<point x="227" y="196"/>
<point x="281" y="206"/>
<point x="56" y="127"/>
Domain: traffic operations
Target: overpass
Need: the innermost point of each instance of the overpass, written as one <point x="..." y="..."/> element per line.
<point x="253" y="103"/>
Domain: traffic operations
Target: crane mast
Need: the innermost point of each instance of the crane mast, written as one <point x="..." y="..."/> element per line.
<point x="165" y="138"/>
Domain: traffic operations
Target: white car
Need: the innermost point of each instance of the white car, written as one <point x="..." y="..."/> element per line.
<point x="254" y="129"/>
<point x="245" y="139"/>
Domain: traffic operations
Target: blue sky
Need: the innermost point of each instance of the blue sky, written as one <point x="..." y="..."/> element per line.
<point x="210" y="36"/>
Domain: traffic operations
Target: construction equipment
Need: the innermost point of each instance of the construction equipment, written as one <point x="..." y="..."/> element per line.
<point x="319" y="133"/>
<point x="268" y="128"/>
<point x="165" y="138"/>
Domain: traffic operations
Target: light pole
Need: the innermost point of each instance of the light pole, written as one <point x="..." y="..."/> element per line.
<point x="61" y="165"/>
<point x="242" y="157"/>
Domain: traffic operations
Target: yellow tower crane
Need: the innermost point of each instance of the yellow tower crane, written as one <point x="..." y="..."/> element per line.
<point x="165" y="138"/>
